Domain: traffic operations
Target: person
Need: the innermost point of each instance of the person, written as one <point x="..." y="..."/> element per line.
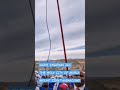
<point x="63" y="86"/>
<point x="37" y="88"/>
<point x="51" y="85"/>
<point x="81" y="85"/>
<point x="56" y="85"/>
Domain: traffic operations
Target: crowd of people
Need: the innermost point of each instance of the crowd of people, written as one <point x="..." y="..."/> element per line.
<point x="60" y="86"/>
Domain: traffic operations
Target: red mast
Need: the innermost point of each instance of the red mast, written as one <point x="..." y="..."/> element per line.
<point x="65" y="56"/>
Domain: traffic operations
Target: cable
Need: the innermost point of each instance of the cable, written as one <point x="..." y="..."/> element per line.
<point x="48" y="33"/>
<point x="32" y="12"/>
<point x="49" y="37"/>
<point x="62" y="34"/>
<point x="34" y="26"/>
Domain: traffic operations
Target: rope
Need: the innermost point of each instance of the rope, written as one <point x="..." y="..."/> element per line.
<point x="32" y="12"/>
<point x="48" y="33"/>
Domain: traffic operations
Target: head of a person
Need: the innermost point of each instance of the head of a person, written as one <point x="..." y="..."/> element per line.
<point x="81" y="83"/>
<point x="45" y="85"/>
<point x="63" y="87"/>
<point x="70" y="76"/>
<point x="82" y="79"/>
<point x="82" y="75"/>
<point x="43" y="77"/>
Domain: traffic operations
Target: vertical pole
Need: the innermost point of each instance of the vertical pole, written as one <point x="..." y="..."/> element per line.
<point x="65" y="56"/>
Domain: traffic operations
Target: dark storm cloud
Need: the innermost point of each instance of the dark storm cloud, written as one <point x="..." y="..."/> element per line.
<point x="102" y="38"/>
<point x="106" y="14"/>
<point x="14" y="31"/>
<point x="16" y="40"/>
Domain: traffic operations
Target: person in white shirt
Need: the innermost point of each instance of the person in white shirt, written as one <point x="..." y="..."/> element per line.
<point x="57" y="84"/>
<point x="81" y="85"/>
<point x="37" y="77"/>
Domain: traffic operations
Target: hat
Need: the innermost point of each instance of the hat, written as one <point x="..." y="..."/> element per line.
<point x="63" y="86"/>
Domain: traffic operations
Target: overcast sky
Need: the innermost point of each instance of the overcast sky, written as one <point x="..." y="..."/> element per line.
<point x="73" y="19"/>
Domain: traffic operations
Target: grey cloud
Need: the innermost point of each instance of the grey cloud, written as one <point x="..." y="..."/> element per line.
<point x="16" y="40"/>
<point x="71" y="19"/>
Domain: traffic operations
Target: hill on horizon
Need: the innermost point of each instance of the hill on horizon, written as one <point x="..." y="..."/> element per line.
<point x="62" y="60"/>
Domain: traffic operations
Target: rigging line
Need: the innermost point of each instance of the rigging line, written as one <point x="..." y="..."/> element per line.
<point x="48" y="31"/>
<point x="62" y="34"/>
<point x="32" y="12"/>
<point x="32" y="73"/>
